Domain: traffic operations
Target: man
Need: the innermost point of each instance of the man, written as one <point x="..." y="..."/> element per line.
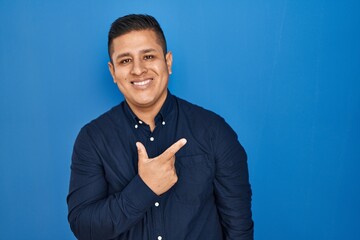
<point x="156" y="166"/>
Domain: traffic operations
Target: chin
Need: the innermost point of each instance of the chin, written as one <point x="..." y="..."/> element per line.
<point x="144" y="102"/>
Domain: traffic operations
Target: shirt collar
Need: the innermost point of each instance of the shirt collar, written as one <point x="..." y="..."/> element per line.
<point x="163" y="115"/>
<point x="167" y="108"/>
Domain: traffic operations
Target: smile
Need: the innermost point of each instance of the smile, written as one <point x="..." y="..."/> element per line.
<point x="141" y="83"/>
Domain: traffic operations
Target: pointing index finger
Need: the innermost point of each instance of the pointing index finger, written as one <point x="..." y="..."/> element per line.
<point x="173" y="149"/>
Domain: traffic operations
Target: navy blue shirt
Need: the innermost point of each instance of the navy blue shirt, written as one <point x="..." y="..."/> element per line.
<point x="211" y="200"/>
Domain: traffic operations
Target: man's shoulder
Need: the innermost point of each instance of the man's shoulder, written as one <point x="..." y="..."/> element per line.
<point x="196" y="112"/>
<point x="203" y="121"/>
<point x="106" y="120"/>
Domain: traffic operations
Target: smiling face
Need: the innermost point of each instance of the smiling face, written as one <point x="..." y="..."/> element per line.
<point x="140" y="70"/>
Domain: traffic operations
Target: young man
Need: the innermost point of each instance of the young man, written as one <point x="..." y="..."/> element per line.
<point x="156" y="166"/>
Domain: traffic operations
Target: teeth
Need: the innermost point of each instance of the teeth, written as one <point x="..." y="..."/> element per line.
<point x="141" y="83"/>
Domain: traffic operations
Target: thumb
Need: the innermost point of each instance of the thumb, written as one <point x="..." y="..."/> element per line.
<point x="142" y="154"/>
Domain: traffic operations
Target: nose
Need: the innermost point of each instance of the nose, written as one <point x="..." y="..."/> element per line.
<point x="138" y="67"/>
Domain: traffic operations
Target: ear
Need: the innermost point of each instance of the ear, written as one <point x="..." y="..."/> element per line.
<point x="169" y="60"/>
<point x="112" y="70"/>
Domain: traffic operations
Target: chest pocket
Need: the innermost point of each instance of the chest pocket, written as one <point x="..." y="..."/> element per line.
<point x="195" y="179"/>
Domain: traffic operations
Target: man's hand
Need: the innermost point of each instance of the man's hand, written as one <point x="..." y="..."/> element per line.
<point x="159" y="173"/>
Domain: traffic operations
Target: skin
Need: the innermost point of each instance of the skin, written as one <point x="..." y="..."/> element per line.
<point x="141" y="72"/>
<point x="159" y="173"/>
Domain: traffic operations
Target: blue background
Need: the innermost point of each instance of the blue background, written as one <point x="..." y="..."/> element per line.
<point x="284" y="74"/>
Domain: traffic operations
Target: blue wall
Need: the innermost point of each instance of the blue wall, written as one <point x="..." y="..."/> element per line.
<point x="284" y="74"/>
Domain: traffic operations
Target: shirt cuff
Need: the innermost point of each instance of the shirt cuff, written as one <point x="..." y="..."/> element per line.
<point x="138" y="193"/>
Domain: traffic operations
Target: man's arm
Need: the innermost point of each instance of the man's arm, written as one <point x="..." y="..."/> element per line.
<point x="232" y="187"/>
<point x="93" y="214"/>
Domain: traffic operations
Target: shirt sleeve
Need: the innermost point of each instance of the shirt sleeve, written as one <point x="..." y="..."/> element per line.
<point x="93" y="214"/>
<point x="232" y="187"/>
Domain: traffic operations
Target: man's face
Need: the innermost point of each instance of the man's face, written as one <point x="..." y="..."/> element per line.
<point x="140" y="69"/>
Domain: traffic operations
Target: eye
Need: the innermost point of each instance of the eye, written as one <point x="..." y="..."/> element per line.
<point x="148" y="57"/>
<point x="125" y="61"/>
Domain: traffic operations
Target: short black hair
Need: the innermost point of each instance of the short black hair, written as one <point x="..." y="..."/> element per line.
<point x="135" y="22"/>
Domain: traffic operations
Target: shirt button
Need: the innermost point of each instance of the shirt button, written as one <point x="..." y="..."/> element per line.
<point x="136" y="126"/>
<point x="152" y="139"/>
<point x="140" y="122"/>
<point x="163" y="123"/>
<point x="157" y="204"/>
<point x="159" y="237"/>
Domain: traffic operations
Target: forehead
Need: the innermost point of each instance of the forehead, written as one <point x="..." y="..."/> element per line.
<point x="135" y="41"/>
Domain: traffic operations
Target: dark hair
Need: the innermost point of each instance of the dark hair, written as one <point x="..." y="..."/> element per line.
<point x="135" y="22"/>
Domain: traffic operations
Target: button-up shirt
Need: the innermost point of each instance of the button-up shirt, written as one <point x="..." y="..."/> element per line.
<point x="211" y="199"/>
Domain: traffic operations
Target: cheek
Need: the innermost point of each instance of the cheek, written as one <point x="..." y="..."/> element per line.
<point x="119" y="76"/>
<point x="162" y="69"/>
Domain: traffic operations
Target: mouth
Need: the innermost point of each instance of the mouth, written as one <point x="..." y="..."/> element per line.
<point x="142" y="83"/>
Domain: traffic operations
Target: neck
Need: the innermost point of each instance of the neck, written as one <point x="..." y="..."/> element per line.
<point x="148" y="113"/>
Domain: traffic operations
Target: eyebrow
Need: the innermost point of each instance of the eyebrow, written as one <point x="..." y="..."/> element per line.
<point x="126" y="54"/>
